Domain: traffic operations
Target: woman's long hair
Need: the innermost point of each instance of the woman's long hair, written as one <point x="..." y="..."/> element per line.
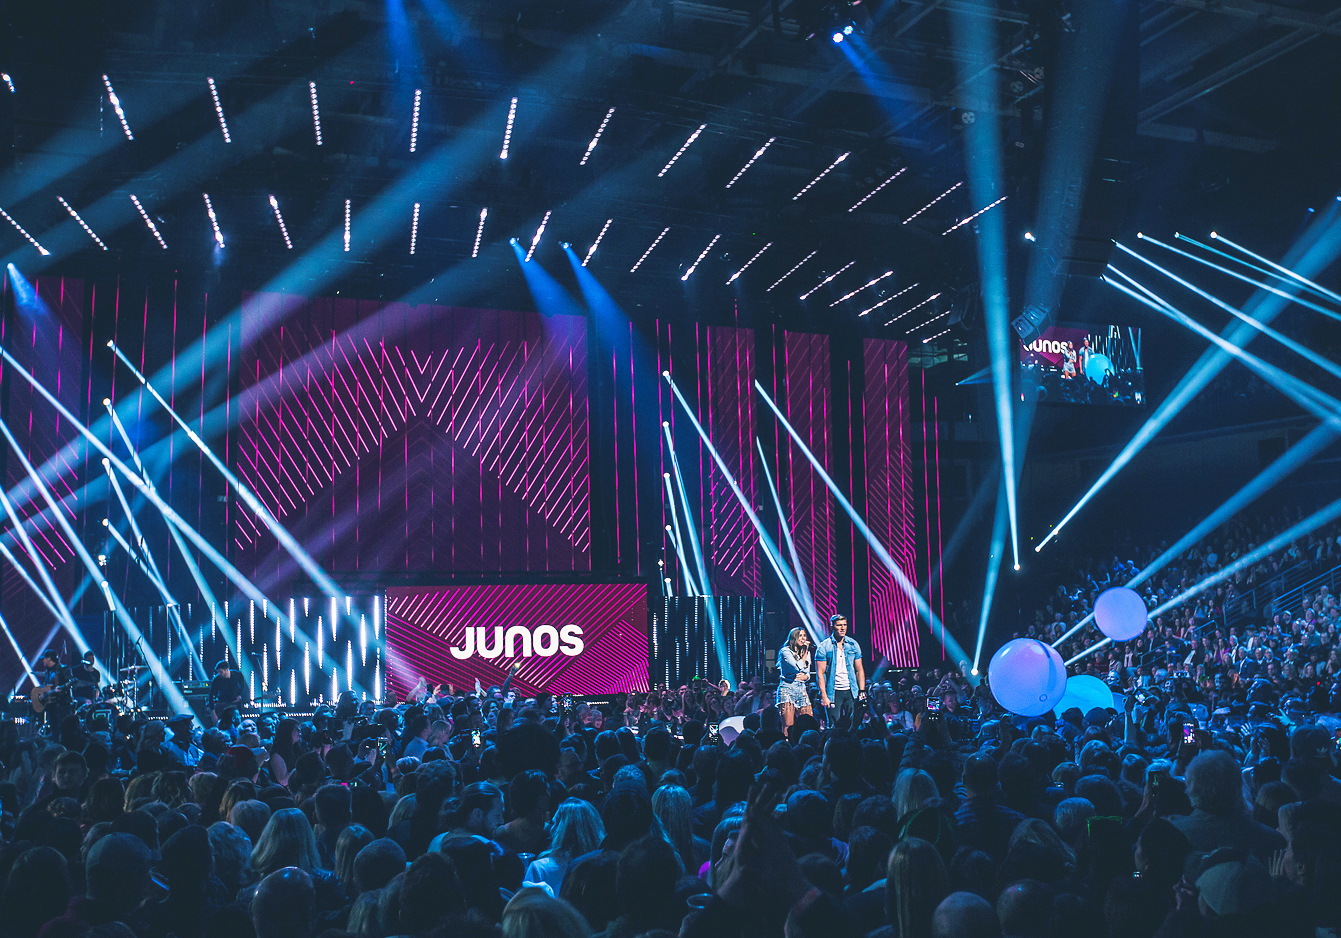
<point x="576" y="830"/>
<point x="284" y="746"/>
<point x="674" y="809"/>
<point x="915" y="884"/>
<point x="351" y="840"/>
<point x="792" y="642"/>
<point x="286" y="841"/>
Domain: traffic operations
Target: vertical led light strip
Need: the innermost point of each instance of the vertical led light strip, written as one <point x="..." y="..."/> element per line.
<point x="750" y="162"/>
<point x="742" y="270"/>
<point x="218" y="110"/>
<point x="414" y="120"/>
<point x="147" y="220"/>
<point x="316" y="110"/>
<point x="116" y="106"/>
<point x="283" y="228"/>
<point x="597" y="138"/>
<point x="347" y="208"/>
<point x="827" y="170"/>
<point x="214" y="220"/>
<point x="592" y="250"/>
<point x="538" y="233"/>
<point x="650" y="248"/>
<point x="882" y="185"/>
<point x="82" y="224"/>
<point x="507" y="131"/>
<point x="680" y="152"/>
<point x="414" y="230"/>
<point x="792" y="271"/>
<point x="699" y="259"/>
<point x="479" y="232"/>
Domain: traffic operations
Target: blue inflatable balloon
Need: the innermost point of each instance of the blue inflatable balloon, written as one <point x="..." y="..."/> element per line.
<point x="1085" y="691"/>
<point x="1120" y="613"/>
<point x="1027" y="677"/>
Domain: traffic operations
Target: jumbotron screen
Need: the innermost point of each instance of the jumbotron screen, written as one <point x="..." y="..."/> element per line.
<point x="567" y="638"/>
<point x="1070" y="363"/>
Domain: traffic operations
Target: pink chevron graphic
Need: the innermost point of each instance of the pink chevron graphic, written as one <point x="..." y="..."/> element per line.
<point x="459" y="431"/>
<point x="810" y="507"/>
<point x="732" y="543"/>
<point x="889" y="509"/>
<point x="424" y="624"/>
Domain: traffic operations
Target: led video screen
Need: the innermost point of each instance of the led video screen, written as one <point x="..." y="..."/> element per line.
<point x="567" y="638"/>
<point x="1071" y="363"/>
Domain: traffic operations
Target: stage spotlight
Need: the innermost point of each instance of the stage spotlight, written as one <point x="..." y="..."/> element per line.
<point x="878" y="188"/>
<point x="792" y="271"/>
<point x="827" y="170"/>
<point x="932" y="202"/>
<point x="116" y="106"/>
<point x="750" y="162"/>
<point x="828" y="279"/>
<point x="1029" y="236"/>
<point x="888" y="299"/>
<point x="595" y="244"/>
<point x="279" y="217"/>
<point x="650" y="247"/>
<point x="680" y="152"/>
<point x="414" y="230"/>
<point x="699" y="259"/>
<point x="347" y="212"/>
<point x="538" y="233"/>
<point x="964" y="221"/>
<point x="479" y="233"/>
<point x="838" y="36"/>
<point x="218" y="110"/>
<point x="82" y="224"/>
<point x="507" y="131"/>
<point x="148" y="221"/>
<point x="316" y="110"/>
<point x="214" y="220"/>
<point x="9" y="83"/>
<point x="414" y="120"/>
<point x="513" y="241"/>
<point x="742" y="270"/>
<point x="597" y="138"/>
<point x="849" y="29"/>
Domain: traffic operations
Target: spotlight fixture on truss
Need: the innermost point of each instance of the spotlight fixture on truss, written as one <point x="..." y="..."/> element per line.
<point x="882" y="185"/>
<point x="479" y="233"/>
<point x="792" y="271"/>
<point x="219" y="111"/>
<point x="597" y="138"/>
<point x="82" y="224"/>
<point x="826" y="280"/>
<point x="24" y="231"/>
<point x="414" y="120"/>
<point x="888" y="299"/>
<point x="279" y="217"/>
<point x="116" y="106"/>
<point x="150" y="222"/>
<point x="680" y="152"/>
<point x="507" y="131"/>
<point x="750" y="162"/>
<point x="538" y="233"/>
<point x="214" y="220"/>
<point x="650" y="248"/>
<point x="869" y="283"/>
<point x="316" y="110"/>
<point x="699" y="259"/>
<point x="827" y="170"/>
<point x="756" y="256"/>
<point x="595" y="244"/>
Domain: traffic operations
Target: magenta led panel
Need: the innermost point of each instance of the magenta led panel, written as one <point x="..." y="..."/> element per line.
<point x="809" y="505"/>
<point x="396" y="439"/>
<point x="571" y="638"/>
<point x="889" y="493"/>
<point x="729" y="379"/>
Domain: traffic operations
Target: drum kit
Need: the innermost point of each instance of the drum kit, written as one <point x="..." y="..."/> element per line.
<point x="124" y="695"/>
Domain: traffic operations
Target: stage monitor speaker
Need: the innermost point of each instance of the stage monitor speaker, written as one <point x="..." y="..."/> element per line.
<point x="1030" y="323"/>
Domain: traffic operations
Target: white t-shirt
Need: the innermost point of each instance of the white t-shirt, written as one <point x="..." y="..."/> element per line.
<point x="840" y="679"/>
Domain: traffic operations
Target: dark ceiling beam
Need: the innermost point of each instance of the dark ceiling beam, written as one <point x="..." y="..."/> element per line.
<point x="766" y="11"/>
<point x="1210" y="138"/>
<point x="1265" y="14"/>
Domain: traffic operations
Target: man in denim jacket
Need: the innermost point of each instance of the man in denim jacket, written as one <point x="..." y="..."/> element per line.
<point x="842" y="681"/>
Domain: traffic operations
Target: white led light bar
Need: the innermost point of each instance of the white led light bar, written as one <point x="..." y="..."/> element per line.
<point x="750" y="162"/>
<point x="680" y="152"/>
<point x="214" y="220"/>
<point x="650" y="247"/>
<point x="964" y="221"/>
<point x="347" y="207"/>
<point x="116" y="106"/>
<point x="882" y="185"/>
<point x="538" y="232"/>
<point x="218" y="110"/>
<point x="932" y="202"/>
<point x="871" y="309"/>
<point x="279" y="217"/>
<point x="792" y="271"/>
<point x="827" y="170"/>
<point x="828" y="279"/>
<point x="699" y="260"/>
<point x="869" y="283"/>
<point x="742" y="270"/>
<point x="414" y="230"/>
<point x="24" y="231"/>
<point x="82" y="224"/>
<point x="930" y="321"/>
<point x="507" y="131"/>
<point x="592" y="250"/>
<point x="596" y="139"/>
<point x="150" y="222"/>
<point x="936" y="336"/>
<point x="414" y="120"/>
<point x="911" y="308"/>
<point x="479" y="233"/>
<point x="316" y="110"/>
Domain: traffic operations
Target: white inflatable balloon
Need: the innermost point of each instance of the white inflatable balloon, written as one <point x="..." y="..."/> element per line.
<point x="1085" y="692"/>
<point x="1027" y="677"/>
<point x="1120" y="613"/>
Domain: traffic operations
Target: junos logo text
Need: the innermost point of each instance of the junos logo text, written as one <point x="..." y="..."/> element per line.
<point x="520" y="641"/>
